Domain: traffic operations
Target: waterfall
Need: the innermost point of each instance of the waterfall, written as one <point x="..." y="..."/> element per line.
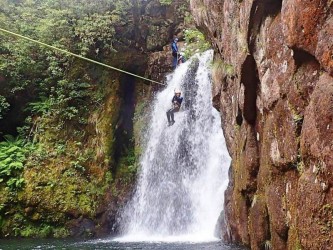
<point x="184" y="168"/>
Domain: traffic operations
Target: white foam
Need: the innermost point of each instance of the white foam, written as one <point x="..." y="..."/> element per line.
<point x="184" y="169"/>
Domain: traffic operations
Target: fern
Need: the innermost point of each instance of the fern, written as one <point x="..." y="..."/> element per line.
<point x="41" y="107"/>
<point x="15" y="183"/>
<point x="13" y="153"/>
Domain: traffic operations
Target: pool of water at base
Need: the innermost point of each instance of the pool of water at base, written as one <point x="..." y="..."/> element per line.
<point x="33" y="244"/>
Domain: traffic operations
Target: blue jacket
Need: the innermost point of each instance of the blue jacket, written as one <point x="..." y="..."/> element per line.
<point x="174" y="48"/>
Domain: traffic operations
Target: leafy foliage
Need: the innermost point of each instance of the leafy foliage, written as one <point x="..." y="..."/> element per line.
<point x="219" y="66"/>
<point x="79" y="26"/>
<point x="165" y="2"/>
<point x="12" y="157"/>
<point x="195" y="42"/>
<point x="60" y="92"/>
<point x="56" y="95"/>
<point x="96" y="28"/>
<point x="4" y="105"/>
<point x="42" y="107"/>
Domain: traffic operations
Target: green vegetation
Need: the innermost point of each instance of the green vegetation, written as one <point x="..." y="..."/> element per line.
<point x="165" y="2"/>
<point x="298" y="119"/>
<point x="20" y="226"/>
<point x="54" y="89"/>
<point x="67" y="113"/>
<point x="195" y="42"/>
<point x="4" y="105"/>
<point x="59" y="164"/>
<point x="12" y="158"/>
<point x="220" y="67"/>
<point x="127" y="168"/>
<point x="77" y="26"/>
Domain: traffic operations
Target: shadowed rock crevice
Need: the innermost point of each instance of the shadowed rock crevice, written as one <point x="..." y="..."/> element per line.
<point x="18" y="109"/>
<point x="256" y="17"/>
<point x="259" y="224"/>
<point x="239" y="117"/>
<point x="302" y="57"/>
<point x="16" y="115"/>
<point x="250" y="80"/>
<point x="216" y="101"/>
<point x="124" y="127"/>
<point x="260" y="10"/>
<point x="272" y="7"/>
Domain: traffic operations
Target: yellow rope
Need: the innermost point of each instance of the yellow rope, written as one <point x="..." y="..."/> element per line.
<point x="78" y="56"/>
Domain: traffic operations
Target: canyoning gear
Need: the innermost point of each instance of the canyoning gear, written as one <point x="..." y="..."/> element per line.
<point x="177" y="91"/>
<point x="176" y="102"/>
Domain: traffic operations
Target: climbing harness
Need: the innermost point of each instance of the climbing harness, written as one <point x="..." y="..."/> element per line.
<point x="78" y="56"/>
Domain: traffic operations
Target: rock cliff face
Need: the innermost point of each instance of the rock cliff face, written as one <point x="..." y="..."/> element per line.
<point x="273" y="83"/>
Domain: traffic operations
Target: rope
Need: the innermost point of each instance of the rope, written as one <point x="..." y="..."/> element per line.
<point x="78" y="56"/>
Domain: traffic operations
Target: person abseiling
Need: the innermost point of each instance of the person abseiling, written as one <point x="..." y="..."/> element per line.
<point x="175" y="52"/>
<point x="176" y="103"/>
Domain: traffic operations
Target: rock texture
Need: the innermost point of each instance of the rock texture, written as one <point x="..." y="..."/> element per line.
<point x="273" y="83"/>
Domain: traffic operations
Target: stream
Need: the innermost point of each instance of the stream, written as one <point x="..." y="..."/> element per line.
<point x="32" y="244"/>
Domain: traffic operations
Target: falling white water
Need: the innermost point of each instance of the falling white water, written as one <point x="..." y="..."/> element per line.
<point x="184" y="169"/>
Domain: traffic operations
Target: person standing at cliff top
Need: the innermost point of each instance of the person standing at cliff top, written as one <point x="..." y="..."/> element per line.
<point x="175" y="52"/>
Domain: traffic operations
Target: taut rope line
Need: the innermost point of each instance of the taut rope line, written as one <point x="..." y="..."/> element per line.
<point x="78" y="56"/>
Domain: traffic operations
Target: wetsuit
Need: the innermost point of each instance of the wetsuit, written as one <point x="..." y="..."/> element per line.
<point x="176" y="101"/>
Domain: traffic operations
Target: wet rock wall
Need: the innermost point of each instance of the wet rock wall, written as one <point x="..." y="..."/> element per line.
<point x="273" y="83"/>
